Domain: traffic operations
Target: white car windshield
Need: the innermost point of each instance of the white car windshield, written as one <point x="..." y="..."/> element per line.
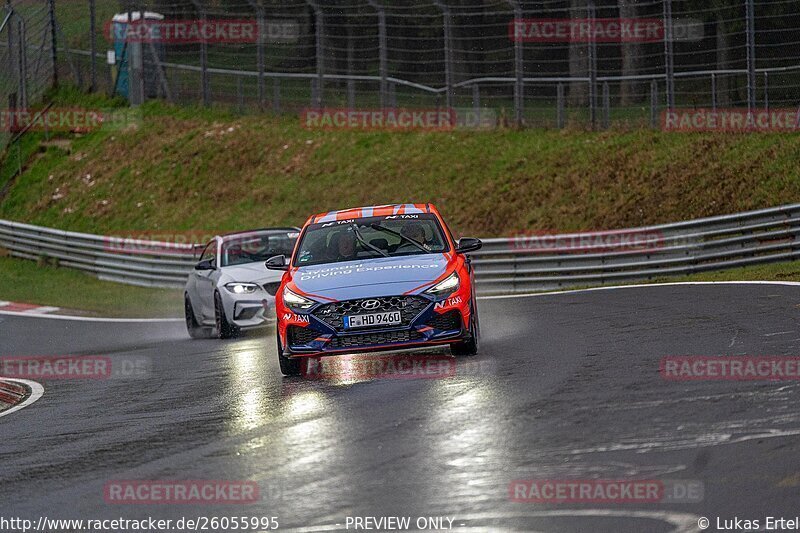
<point x="254" y="247"/>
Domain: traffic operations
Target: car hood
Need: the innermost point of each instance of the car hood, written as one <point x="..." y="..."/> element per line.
<point x="250" y="272"/>
<point x="371" y="277"/>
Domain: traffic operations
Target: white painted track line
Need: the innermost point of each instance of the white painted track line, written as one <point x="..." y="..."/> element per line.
<point x="36" y="392"/>
<point x="640" y="286"/>
<point x="499" y="297"/>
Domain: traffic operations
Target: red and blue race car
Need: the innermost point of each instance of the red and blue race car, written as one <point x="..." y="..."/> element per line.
<point x="375" y="278"/>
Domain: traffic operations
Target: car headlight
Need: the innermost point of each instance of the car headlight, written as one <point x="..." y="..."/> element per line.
<point x="296" y="301"/>
<point x="241" y="288"/>
<point x="447" y="286"/>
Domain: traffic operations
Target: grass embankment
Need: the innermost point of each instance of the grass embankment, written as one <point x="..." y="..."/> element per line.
<point x="210" y="169"/>
<point x="24" y="281"/>
<point x="190" y="168"/>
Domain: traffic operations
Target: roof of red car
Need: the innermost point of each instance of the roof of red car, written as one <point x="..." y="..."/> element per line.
<point x="372" y="211"/>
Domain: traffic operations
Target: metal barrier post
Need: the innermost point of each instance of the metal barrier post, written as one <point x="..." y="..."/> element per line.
<point x="560" y="106"/>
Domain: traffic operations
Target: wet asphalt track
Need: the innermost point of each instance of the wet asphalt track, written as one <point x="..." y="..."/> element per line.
<point x="567" y="386"/>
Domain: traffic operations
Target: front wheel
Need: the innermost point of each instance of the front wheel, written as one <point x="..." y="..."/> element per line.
<point x="196" y="331"/>
<point x="469" y="346"/>
<point x="225" y="330"/>
<point x="289" y="366"/>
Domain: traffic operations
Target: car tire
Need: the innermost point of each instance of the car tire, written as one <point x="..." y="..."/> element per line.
<point x="468" y="347"/>
<point x="225" y="330"/>
<point x="289" y="366"/>
<point x="195" y="330"/>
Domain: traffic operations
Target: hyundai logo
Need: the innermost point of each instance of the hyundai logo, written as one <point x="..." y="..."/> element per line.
<point x="371" y="305"/>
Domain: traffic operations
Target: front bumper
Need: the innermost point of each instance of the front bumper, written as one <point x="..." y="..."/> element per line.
<point x="427" y="322"/>
<point x="249" y="311"/>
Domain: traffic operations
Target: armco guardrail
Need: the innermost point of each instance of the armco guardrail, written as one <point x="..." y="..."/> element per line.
<point x="526" y="263"/>
<point x="135" y="262"/>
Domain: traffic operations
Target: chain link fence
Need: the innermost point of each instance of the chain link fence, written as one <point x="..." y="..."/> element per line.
<point x="550" y="63"/>
<point x="26" y="61"/>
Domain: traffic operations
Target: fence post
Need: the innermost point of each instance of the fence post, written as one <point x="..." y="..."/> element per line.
<point x="262" y="31"/>
<point x="22" y="63"/>
<point x="519" y="67"/>
<point x="654" y="103"/>
<point x="766" y="91"/>
<point x="204" y="92"/>
<point x="669" y="57"/>
<point x="276" y="95"/>
<point x="476" y="100"/>
<point x="560" y="106"/>
<point x="239" y="94"/>
<point x="92" y="46"/>
<point x="751" y="55"/>
<point x="713" y="91"/>
<point x="448" y="52"/>
<point x="592" y="68"/>
<point x="319" y="36"/>
<point x="12" y="68"/>
<point x="606" y="106"/>
<point x="351" y="84"/>
<point x="382" y="50"/>
<point x="51" y="7"/>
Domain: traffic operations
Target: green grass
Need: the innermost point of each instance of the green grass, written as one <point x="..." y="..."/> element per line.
<point x="24" y="281"/>
<point x="786" y="271"/>
<point x="185" y="164"/>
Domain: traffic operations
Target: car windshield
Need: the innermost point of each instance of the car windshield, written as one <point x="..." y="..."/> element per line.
<point x="254" y="247"/>
<point x="369" y="238"/>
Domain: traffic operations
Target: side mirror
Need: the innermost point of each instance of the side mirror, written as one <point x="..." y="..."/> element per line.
<point x="468" y="244"/>
<point x="205" y="265"/>
<point x="277" y="263"/>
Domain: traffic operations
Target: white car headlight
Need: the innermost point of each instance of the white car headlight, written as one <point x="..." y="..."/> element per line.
<point x="447" y="286"/>
<point x="296" y="301"/>
<point x="241" y="288"/>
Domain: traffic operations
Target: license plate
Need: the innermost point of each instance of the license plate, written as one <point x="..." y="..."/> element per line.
<point x="391" y="318"/>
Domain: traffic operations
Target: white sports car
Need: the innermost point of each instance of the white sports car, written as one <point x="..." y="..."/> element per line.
<point x="230" y="289"/>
